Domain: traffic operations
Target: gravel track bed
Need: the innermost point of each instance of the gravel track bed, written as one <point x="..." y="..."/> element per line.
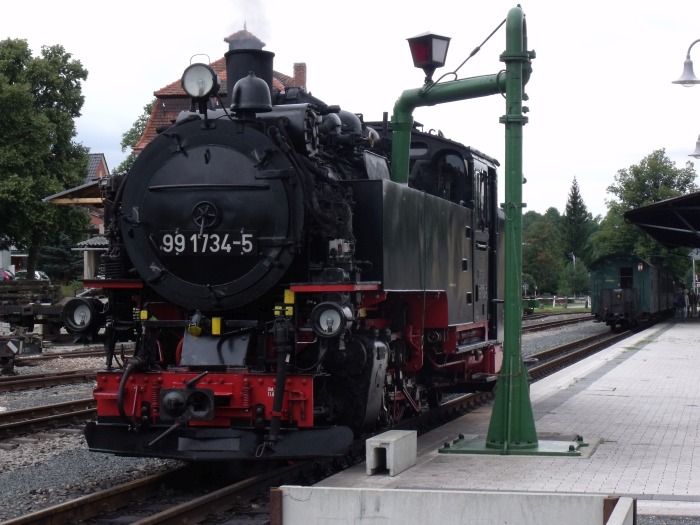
<point x="34" y="476"/>
<point x="534" y="342"/>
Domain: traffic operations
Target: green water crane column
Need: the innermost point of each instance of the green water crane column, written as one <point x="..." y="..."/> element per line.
<point x="512" y="422"/>
<point x="512" y="428"/>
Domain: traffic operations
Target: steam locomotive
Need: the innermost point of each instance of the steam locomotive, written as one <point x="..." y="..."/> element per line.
<point x="285" y="295"/>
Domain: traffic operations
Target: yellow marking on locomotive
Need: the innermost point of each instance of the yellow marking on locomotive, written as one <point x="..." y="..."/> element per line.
<point x="288" y="297"/>
<point x="284" y="310"/>
<point x="216" y="326"/>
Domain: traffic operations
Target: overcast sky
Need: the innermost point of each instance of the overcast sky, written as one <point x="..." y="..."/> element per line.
<point x="601" y="97"/>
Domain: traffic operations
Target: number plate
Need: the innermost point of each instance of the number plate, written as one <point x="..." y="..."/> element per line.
<point x="240" y="242"/>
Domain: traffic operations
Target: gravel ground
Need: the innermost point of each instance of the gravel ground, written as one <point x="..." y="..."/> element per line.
<point x="36" y="475"/>
<point x="47" y="471"/>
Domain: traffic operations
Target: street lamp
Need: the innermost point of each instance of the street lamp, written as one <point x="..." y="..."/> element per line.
<point x="688" y="78"/>
<point x="696" y="153"/>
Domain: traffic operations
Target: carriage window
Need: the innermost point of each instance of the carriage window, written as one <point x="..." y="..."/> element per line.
<point x="445" y="176"/>
<point x="626" y="277"/>
<point x="453" y="179"/>
<point x="481" y="197"/>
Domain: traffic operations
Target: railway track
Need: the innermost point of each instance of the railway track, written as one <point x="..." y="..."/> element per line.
<point x="28" y="420"/>
<point x="130" y="503"/>
<point x="549" y="361"/>
<point x="169" y="497"/>
<point x="548" y="325"/>
<point x="59" y="355"/>
<point x="122" y="350"/>
<point x="30" y="381"/>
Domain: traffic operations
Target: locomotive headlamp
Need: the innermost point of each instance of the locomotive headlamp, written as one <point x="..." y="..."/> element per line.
<point x="330" y="319"/>
<point x="82" y="314"/>
<point x="429" y="52"/>
<point x="200" y="81"/>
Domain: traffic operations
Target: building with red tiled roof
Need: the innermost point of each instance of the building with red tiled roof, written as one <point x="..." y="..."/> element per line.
<point x="97" y="167"/>
<point x="172" y="99"/>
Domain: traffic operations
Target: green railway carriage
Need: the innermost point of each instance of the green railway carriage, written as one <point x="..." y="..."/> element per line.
<point x="627" y="290"/>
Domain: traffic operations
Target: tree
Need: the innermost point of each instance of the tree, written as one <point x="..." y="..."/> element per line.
<point x="132" y="137"/>
<point x="654" y="179"/>
<point x="542" y="249"/>
<point x="574" y="279"/>
<point x="59" y="261"/>
<point x="39" y="99"/>
<point x="577" y="226"/>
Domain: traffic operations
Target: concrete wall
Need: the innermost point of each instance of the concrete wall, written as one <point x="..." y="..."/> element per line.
<point x="324" y="505"/>
<point x="5" y="260"/>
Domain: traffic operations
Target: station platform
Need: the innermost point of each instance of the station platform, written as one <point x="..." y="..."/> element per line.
<point x="636" y="404"/>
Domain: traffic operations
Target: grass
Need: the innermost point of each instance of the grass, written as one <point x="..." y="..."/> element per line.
<point x="71" y="289"/>
<point x="562" y="310"/>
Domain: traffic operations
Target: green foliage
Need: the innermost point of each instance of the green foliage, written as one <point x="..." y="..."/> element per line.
<point x="557" y="249"/>
<point x="132" y="137"/>
<point x="654" y="179"/>
<point x="59" y="261"/>
<point x="574" y="279"/>
<point x="71" y="289"/>
<point x="40" y="97"/>
<point x="542" y="259"/>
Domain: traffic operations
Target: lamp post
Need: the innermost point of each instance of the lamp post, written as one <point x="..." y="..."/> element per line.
<point x="688" y="79"/>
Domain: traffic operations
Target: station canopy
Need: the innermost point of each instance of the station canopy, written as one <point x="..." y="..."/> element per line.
<point x="672" y="222"/>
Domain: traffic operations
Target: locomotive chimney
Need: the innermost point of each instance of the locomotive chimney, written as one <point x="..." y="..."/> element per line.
<point x="240" y="62"/>
<point x="245" y="55"/>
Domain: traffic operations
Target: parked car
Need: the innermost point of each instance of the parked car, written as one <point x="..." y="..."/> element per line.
<point x="6" y="275"/>
<point x="38" y="275"/>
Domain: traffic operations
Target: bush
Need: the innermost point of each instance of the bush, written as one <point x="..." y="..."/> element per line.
<point x="72" y="288"/>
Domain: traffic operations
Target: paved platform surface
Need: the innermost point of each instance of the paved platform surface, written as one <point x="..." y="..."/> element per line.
<point x="637" y="404"/>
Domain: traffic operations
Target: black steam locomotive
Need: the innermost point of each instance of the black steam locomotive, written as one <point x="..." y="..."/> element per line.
<point x="284" y="293"/>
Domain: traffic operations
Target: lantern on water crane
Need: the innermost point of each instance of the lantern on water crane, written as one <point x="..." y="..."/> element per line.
<point x="429" y="52"/>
